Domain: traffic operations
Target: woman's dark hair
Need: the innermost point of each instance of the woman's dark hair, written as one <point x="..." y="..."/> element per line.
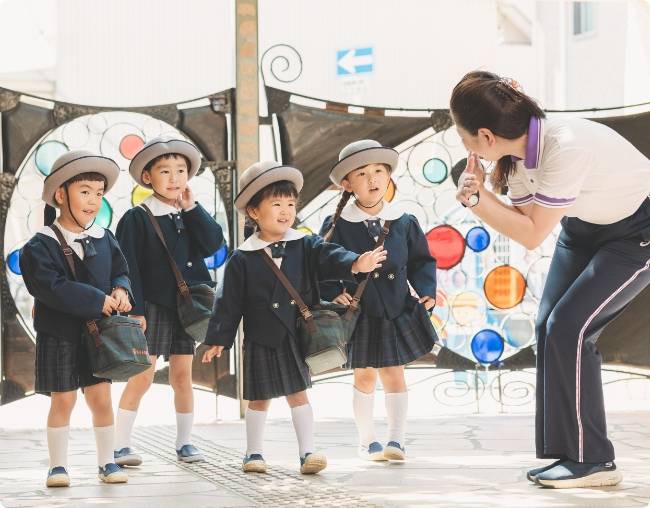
<point x="485" y="100"/>
<point x="166" y="156"/>
<point x="281" y="189"/>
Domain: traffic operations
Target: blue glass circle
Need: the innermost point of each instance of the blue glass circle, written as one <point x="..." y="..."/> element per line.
<point x="13" y="262"/>
<point x="218" y="258"/>
<point x="47" y="153"/>
<point x="435" y="170"/>
<point x="487" y="346"/>
<point x="478" y="239"/>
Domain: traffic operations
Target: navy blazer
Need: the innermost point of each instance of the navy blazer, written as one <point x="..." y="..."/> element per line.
<point x="151" y="276"/>
<point x="409" y="260"/>
<point x="63" y="304"/>
<point x="251" y="290"/>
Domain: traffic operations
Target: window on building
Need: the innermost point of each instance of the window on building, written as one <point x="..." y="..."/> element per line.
<point x="584" y="18"/>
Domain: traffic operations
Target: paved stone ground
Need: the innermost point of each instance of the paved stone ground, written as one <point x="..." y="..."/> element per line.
<point x="461" y="460"/>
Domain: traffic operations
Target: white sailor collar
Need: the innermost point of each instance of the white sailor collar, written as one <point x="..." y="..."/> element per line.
<point x="352" y="213"/>
<point x="93" y="231"/>
<point x="159" y="208"/>
<point x="254" y="242"/>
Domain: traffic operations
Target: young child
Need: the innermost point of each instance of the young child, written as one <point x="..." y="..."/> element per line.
<point x="273" y="365"/>
<point x="394" y="327"/>
<point x="164" y="165"/>
<point x="63" y="303"/>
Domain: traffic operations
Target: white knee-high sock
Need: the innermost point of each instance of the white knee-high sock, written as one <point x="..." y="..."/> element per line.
<point x="396" y="411"/>
<point x="184" y="422"/>
<point x="363" y="405"/>
<point x="57" y="445"/>
<point x="123" y="427"/>
<point x="255" y="423"/>
<point x="105" y="439"/>
<point x="303" y="424"/>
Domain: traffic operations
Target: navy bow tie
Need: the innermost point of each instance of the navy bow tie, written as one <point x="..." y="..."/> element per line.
<point x="277" y="250"/>
<point x="374" y="227"/>
<point x="177" y="219"/>
<point x="88" y="247"/>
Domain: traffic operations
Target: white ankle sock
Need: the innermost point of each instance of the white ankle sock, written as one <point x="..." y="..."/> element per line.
<point x="105" y="439"/>
<point x="396" y="411"/>
<point x="123" y="427"/>
<point x="57" y="445"/>
<point x="303" y="424"/>
<point x="184" y="422"/>
<point x="363" y="405"/>
<point x="255" y="423"/>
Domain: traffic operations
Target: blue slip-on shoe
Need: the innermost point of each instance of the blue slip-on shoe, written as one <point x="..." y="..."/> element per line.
<point x="254" y="463"/>
<point x="312" y="463"/>
<point x="57" y="477"/>
<point x="532" y="473"/>
<point x="127" y="457"/>
<point x="394" y="451"/>
<point x="374" y="451"/>
<point x="189" y="453"/>
<point x="112" y="473"/>
<point x="575" y="475"/>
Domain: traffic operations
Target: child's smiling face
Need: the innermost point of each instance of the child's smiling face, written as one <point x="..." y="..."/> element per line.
<point x="168" y="177"/>
<point x="84" y="200"/>
<point x="274" y="216"/>
<point x="368" y="183"/>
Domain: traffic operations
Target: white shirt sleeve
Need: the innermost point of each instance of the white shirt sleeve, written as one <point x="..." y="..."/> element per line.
<point x="517" y="191"/>
<point x="561" y="177"/>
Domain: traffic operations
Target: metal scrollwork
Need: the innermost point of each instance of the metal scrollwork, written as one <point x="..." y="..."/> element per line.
<point x="282" y="62"/>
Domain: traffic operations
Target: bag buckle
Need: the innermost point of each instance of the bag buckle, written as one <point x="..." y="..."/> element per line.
<point x="67" y="250"/>
<point x="184" y="288"/>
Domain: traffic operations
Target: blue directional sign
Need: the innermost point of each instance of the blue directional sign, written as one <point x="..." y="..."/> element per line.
<point x="354" y="61"/>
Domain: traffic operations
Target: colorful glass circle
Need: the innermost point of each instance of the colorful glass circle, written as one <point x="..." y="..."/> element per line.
<point x="478" y="239"/>
<point x="105" y="215"/>
<point x="47" y="153"/>
<point x="218" y="258"/>
<point x="487" y="346"/>
<point x="139" y="194"/>
<point x="447" y="245"/>
<point x="13" y="262"/>
<point x="504" y="287"/>
<point x="435" y="170"/>
<point x="130" y="145"/>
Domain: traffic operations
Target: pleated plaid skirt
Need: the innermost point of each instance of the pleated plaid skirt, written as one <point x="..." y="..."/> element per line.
<point x="381" y="342"/>
<point x="271" y="372"/>
<point x="62" y="365"/>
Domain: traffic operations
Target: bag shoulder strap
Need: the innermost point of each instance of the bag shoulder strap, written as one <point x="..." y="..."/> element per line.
<point x="91" y="325"/>
<point x="302" y="306"/>
<point x="304" y="310"/>
<point x="180" y="282"/>
<point x="356" y="298"/>
<point x="67" y="250"/>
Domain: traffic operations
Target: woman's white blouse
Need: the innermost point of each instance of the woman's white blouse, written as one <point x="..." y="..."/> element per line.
<point x="585" y="167"/>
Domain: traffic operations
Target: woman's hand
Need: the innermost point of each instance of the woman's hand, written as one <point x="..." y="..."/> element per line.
<point x="368" y="261"/>
<point x="471" y="180"/>
<point x="211" y="353"/>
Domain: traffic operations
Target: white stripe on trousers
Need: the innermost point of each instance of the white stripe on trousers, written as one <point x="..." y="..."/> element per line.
<point x="579" y="357"/>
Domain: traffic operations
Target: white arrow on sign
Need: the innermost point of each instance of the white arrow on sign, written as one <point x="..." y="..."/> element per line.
<point x="350" y="61"/>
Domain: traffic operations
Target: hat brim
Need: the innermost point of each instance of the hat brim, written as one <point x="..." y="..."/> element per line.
<point x="375" y="155"/>
<point x="149" y="153"/>
<point x="87" y="164"/>
<point x="269" y="176"/>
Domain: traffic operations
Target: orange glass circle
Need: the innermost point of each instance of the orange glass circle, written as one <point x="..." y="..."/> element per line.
<point x="390" y="192"/>
<point x="504" y="287"/>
